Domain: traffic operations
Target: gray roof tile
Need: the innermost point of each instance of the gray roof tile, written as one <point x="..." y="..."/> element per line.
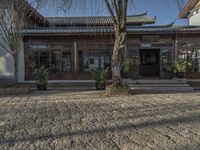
<point x="109" y="29"/>
<point x="99" y="20"/>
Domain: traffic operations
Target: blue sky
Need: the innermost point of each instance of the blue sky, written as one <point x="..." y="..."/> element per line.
<point x="166" y="11"/>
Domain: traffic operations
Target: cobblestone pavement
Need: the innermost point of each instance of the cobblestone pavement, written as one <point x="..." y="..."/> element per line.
<point x="90" y="120"/>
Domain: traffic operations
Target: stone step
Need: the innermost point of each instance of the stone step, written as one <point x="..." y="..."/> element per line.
<point x="175" y="81"/>
<point x="144" y="90"/>
<point x="72" y="84"/>
<point x="73" y="89"/>
<point x="159" y="85"/>
<point x="67" y="84"/>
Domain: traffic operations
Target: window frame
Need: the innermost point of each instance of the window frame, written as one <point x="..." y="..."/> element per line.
<point x="39" y="51"/>
<point x="100" y="53"/>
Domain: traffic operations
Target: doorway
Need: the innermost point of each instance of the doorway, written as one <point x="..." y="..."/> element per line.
<point x="149" y="63"/>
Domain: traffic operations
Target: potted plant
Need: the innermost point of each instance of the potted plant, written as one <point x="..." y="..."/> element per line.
<point x="100" y="76"/>
<point x="180" y="67"/>
<point x="125" y="67"/>
<point x="42" y="78"/>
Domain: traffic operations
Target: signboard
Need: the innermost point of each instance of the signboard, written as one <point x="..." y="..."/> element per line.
<point x="150" y="38"/>
<point x="146" y="45"/>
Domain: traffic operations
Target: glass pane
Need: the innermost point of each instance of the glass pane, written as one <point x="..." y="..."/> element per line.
<point x="94" y="60"/>
<point x="44" y="59"/>
<point x="83" y="61"/>
<point x="149" y="58"/>
<point x="33" y="62"/>
<point x="56" y="62"/>
<point x="66" y="61"/>
<point x="105" y="60"/>
<point x="196" y="60"/>
<point x="166" y="57"/>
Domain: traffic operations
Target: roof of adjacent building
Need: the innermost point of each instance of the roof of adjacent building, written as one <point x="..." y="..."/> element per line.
<point x="189" y="6"/>
<point x="32" y="13"/>
<point x="165" y="29"/>
<point x="99" y="20"/>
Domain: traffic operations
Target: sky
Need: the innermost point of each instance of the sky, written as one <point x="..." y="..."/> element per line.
<point x="165" y="11"/>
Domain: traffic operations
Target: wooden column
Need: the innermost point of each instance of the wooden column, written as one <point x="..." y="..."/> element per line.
<point x="125" y="49"/>
<point x="176" y="49"/>
<point x="75" y="59"/>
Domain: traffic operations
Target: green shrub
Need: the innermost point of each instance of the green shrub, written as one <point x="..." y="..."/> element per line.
<point x="99" y="75"/>
<point x="180" y="66"/>
<point x="42" y="75"/>
<point x="125" y="65"/>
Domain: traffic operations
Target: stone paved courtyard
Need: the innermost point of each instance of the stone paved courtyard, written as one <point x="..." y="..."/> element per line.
<point x="90" y="120"/>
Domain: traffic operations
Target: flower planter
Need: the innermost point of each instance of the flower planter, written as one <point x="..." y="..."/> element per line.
<point x="42" y="87"/>
<point x="42" y="78"/>
<point x="125" y="75"/>
<point x="100" y="76"/>
<point x="100" y="85"/>
<point x="110" y="91"/>
<point x="180" y="74"/>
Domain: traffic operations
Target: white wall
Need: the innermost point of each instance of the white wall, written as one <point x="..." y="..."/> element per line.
<point x="6" y="64"/>
<point x="21" y="65"/>
<point x="195" y="20"/>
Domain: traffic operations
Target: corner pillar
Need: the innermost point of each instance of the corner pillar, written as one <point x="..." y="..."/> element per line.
<point x="176" y="49"/>
<point x="75" y="59"/>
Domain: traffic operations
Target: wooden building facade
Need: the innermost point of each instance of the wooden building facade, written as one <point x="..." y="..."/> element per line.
<point x="71" y="46"/>
<point x="70" y="57"/>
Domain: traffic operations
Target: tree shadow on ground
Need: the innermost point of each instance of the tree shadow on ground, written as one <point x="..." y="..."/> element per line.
<point x="191" y="118"/>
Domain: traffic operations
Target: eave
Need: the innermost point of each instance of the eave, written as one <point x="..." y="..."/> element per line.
<point x="109" y="30"/>
<point x="186" y="10"/>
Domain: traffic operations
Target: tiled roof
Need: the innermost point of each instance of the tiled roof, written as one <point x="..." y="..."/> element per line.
<point x="158" y="29"/>
<point x="68" y="30"/>
<point x="100" y="29"/>
<point x="99" y="20"/>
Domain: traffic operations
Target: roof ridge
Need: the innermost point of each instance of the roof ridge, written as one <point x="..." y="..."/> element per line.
<point x="137" y="15"/>
<point x="157" y="26"/>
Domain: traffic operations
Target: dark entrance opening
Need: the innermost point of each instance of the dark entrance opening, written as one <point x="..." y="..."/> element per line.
<point x="149" y="63"/>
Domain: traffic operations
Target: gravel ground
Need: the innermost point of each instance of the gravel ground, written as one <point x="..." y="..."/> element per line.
<point x="89" y="120"/>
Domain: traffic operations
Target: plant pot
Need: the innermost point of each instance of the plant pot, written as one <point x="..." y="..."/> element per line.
<point x="125" y="75"/>
<point x="180" y="74"/>
<point x="100" y="85"/>
<point x="42" y="87"/>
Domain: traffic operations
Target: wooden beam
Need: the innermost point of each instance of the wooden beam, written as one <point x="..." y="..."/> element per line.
<point x="75" y="59"/>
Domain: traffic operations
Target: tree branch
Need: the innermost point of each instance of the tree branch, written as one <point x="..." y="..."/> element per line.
<point x="111" y="11"/>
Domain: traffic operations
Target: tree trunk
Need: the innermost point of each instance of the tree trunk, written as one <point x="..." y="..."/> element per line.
<point x="119" y="46"/>
<point x="16" y="69"/>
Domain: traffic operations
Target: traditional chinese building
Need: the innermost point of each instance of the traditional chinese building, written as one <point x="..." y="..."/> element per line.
<point x="71" y="46"/>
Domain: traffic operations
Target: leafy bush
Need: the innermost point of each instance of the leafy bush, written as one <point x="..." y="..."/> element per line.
<point x="42" y="75"/>
<point x="180" y="66"/>
<point x="125" y="65"/>
<point x="99" y="75"/>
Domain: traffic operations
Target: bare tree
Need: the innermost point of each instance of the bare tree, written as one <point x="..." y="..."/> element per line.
<point x="13" y="19"/>
<point x="118" y="12"/>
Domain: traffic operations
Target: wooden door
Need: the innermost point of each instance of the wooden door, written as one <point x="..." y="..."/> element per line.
<point x="149" y="63"/>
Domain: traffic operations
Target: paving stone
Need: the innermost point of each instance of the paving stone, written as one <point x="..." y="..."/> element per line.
<point x="90" y="120"/>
